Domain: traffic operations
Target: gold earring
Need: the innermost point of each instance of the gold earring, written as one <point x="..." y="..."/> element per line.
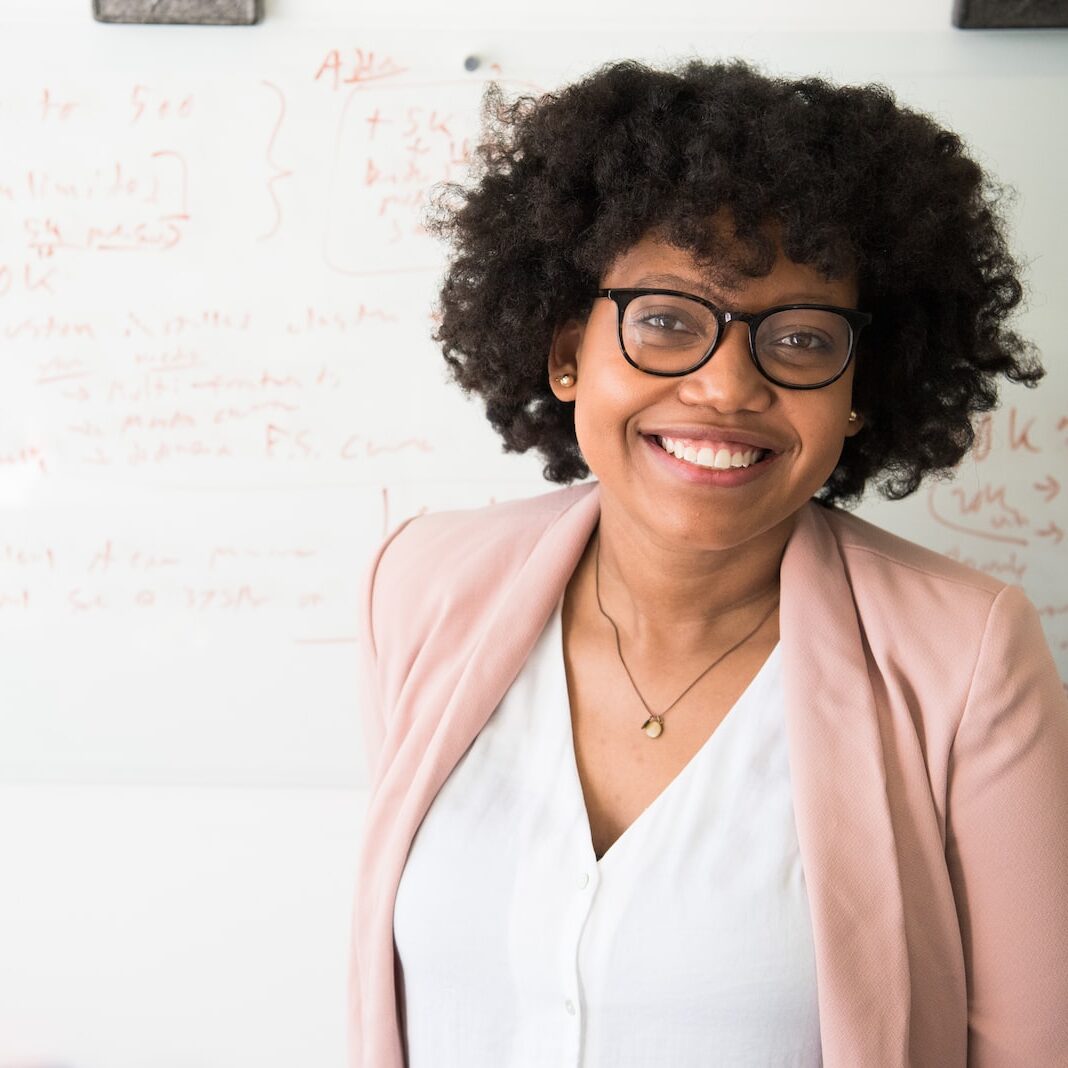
<point x="852" y="416"/>
<point x="566" y="380"/>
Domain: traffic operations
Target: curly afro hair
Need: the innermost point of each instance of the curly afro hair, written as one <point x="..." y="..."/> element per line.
<point x="854" y="183"/>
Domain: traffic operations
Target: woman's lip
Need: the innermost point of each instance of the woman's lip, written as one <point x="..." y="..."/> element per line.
<point x="709" y="476"/>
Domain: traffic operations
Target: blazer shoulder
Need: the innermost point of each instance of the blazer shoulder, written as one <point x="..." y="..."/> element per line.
<point x="868" y="548"/>
<point x="431" y="541"/>
<point x="930" y="624"/>
<point x="436" y="558"/>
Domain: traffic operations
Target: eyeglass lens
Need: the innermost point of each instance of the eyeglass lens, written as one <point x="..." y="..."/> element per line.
<point x="802" y="346"/>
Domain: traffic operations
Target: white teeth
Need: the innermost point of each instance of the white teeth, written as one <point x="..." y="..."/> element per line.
<point x="719" y="459"/>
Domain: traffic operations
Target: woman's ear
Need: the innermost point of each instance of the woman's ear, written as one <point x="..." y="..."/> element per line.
<point x="854" y="424"/>
<point x="563" y="358"/>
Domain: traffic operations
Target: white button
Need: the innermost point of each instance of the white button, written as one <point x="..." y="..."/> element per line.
<point x="584" y="880"/>
<point x="570" y="1006"/>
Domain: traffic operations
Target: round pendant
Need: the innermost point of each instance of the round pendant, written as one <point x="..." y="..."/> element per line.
<point x="653" y="726"/>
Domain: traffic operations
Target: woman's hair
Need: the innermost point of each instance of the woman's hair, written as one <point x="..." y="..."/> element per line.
<point x="845" y="178"/>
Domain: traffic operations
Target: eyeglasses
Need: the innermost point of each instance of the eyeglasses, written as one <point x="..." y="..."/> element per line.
<point x="798" y="346"/>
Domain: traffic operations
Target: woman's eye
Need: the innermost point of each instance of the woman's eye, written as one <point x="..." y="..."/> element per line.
<point x="665" y="321"/>
<point x="801" y="340"/>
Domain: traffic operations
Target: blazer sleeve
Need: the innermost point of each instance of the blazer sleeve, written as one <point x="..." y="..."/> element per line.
<point x="1007" y="844"/>
<point x="369" y="691"/>
<point x="375" y="606"/>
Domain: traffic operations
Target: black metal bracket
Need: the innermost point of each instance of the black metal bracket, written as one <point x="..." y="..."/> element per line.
<point x="180" y="12"/>
<point x="1010" y="14"/>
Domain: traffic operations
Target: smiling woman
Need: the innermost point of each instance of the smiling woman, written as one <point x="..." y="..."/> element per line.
<point x="686" y="765"/>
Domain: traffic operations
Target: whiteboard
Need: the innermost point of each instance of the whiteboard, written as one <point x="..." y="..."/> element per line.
<point x="219" y="388"/>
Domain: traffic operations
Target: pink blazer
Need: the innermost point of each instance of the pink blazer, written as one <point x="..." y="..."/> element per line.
<point x="928" y="742"/>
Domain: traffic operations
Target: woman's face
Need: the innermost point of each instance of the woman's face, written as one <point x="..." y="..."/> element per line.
<point x="622" y="414"/>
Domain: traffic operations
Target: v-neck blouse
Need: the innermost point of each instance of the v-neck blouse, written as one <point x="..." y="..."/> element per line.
<point x="688" y="943"/>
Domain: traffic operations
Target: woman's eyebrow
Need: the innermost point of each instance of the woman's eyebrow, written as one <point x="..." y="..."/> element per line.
<point x="675" y="281"/>
<point x="719" y="298"/>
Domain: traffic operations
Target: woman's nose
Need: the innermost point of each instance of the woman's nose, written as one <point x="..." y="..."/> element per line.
<point x="729" y="381"/>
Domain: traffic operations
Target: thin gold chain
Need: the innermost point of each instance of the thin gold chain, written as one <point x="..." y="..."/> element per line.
<point x="659" y="716"/>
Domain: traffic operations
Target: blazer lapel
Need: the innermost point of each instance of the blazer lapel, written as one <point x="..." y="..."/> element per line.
<point x="509" y="635"/>
<point x="843" y="817"/>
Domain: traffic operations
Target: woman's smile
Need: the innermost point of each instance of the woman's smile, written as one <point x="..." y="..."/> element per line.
<point x="720" y="462"/>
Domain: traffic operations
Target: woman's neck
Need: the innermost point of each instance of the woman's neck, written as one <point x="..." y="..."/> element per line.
<point x="668" y="598"/>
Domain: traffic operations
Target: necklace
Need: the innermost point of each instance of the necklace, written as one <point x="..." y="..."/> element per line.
<point x="654" y="725"/>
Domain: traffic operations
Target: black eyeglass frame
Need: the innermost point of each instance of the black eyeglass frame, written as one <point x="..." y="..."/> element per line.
<point x="856" y="320"/>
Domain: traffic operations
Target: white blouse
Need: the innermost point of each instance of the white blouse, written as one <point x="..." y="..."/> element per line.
<point x="689" y="943"/>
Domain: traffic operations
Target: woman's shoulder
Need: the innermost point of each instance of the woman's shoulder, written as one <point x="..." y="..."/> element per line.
<point x="476" y="535"/>
<point x="910" y="598"/>
<point x="924" y="613"/>
<point x="438" y="558"/>
<point x="869" y="550"/>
